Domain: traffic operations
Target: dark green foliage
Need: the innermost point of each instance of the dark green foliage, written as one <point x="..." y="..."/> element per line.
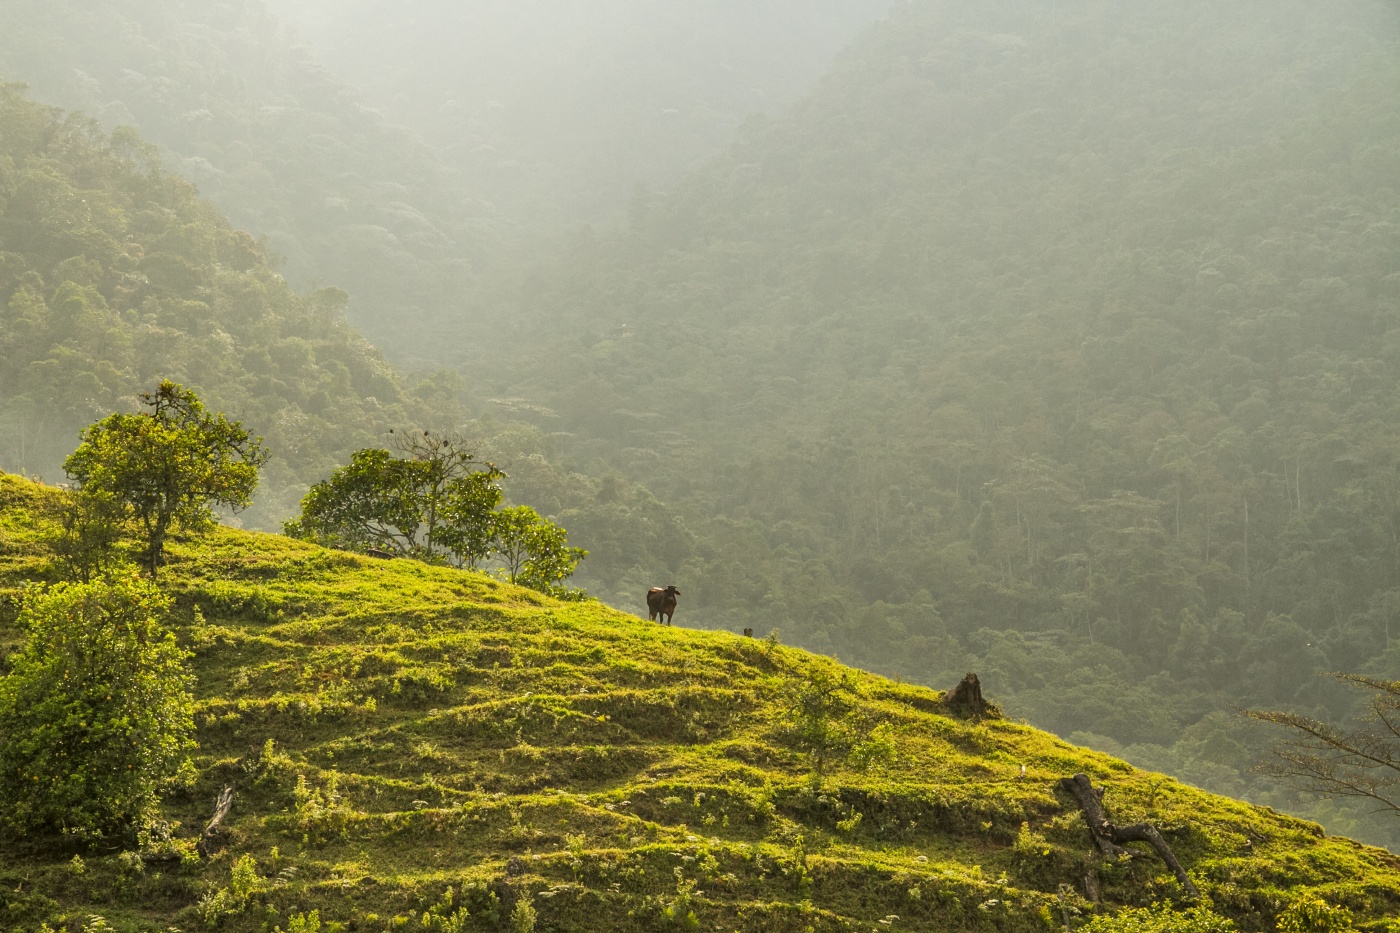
<point x="90" y="530"/>
<point x="96" y="710"/>
<point x="238" y="109"/>
<point x="167" y="467"/>
<point x="433" y="505"/>
<point x="372" y="501"/>
<point x="467" y="517"/>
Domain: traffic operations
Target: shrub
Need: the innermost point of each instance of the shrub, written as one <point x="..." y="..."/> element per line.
<point x="96" y="712"/>
<point x="304" y="923"/>
<point x="90" y="527"/>
<point x="1161" y="918"/>
<point x="816" y="719"/>
<point x="522" y="918"/>
<point x="1309" y="913"/>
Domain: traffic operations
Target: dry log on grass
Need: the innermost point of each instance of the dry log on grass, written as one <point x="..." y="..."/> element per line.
<point x="1110" y="839"/>
<point x="209" y="840"/>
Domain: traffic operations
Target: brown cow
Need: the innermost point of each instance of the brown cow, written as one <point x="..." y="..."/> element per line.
<point x="661" y="601"/>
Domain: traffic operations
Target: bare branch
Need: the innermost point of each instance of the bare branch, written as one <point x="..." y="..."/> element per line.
<point x="1334" y="762"/>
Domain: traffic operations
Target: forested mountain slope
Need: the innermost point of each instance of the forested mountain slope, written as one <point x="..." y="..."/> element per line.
<point x="283" y="148"/>
<point x="418" y="748"/>
<point x="1058" y="341"/>
<point x="114" y="275"/>
<point x="556" y="109"/>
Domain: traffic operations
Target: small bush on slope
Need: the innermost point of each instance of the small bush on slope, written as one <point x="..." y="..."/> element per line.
<point x="1160" y="918"/>
<point x="96" y="712"/>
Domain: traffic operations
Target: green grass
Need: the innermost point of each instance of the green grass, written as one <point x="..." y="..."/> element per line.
<point x="407" y="741"/>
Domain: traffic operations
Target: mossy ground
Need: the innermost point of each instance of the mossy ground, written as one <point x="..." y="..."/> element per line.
<point x="417" y="748"/>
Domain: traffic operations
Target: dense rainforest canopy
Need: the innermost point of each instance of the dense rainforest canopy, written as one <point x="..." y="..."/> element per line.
<point x="343" y="197"/>
<point x="1054" y="342"/>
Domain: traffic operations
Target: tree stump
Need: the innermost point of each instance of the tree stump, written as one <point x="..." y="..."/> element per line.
<point x="506" y="887"/>
<point x="1110" y="838"/>
<point x="967" y="698"/>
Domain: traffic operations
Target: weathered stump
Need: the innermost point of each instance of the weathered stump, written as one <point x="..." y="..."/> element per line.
<point x="966" y="697"/>
<point x="507" y="886"/>
<point x="1110" y="838"/>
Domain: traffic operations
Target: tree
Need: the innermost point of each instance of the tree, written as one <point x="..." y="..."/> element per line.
<point x="468" y="517"/>
<point x="432" y="504"/>
<point x="169" y="465"/>
<point x="435" y="504"/>
<point x="1334" y="761"/>
<point x="438" y="465"/>
<point x="370" y="502"/>
<point x="534" y="550"/>
<point x="96" y="710"/>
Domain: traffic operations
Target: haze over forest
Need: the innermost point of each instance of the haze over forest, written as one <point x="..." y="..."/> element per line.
<point x="1058" y="342"/>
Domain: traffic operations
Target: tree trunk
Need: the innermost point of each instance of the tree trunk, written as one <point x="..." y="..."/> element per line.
<point x="1109" y="838"/>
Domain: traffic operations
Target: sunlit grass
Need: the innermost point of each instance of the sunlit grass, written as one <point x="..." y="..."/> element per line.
<point x="394" y="730"/>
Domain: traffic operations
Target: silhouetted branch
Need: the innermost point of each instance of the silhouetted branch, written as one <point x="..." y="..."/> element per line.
<point x="1332" y="761"/>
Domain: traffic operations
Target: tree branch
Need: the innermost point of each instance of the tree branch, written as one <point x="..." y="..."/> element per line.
<point x="1110" y="838"/>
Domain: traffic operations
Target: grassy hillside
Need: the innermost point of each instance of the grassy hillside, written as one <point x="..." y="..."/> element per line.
<point x="409" y="741"/>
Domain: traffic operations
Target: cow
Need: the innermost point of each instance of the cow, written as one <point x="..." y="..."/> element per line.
<point x="661" y="601"/>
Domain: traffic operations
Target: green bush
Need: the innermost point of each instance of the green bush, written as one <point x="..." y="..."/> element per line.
<point x="96" y="711"/>
<point x="522" y="918"/>
<point x="85" y="545"/>
<point x="1309" y="913"/>
<point x="1161" y="918"/>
